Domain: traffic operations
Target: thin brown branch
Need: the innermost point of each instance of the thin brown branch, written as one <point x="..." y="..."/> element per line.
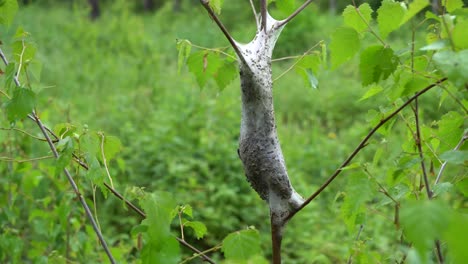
<point x="294" y="14"/>
<point x="417" y="139"/>
<point x="26" y="160"/>
<point x="76" y="190"/>
<point x="368" y="26"/>
<point x="263" y="11"/>
<point x="254" y="12"/>
<point x="361" y="145"/>
<point x="206" y="5"/>
<point x="24" y="132"/>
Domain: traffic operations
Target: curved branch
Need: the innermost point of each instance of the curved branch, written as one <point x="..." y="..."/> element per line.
<point x="294" y="14"/>
<point x="206" y="5"/>
<point x="360" y="146"/>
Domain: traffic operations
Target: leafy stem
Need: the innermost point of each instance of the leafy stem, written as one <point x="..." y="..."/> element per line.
<point x="368" y="25"/>
<point x="361" y="145"/>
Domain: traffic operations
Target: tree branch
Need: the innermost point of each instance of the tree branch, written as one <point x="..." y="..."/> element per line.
<point x="206" y="5"/>
<point x="263" y="11"/>
<point x="295" y="13"/>
<point x="360" y="146"/>
<point x="76" y="190"/>
<point x="254" y="12"/>
<point x="417" y="139"/>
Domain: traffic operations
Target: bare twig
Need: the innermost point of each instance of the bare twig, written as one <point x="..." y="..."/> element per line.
<point x="361" y="145"/>
<point x="26" y="160"/>
<point x="218" y="22"/>
<point x="104" y="160"/>
<point x="417" y="139"/>
<point x="218" y="50"/>
<point x="295" y="13"/>
<point x="254" y="12"/>
<point x="24" y="132"/>
<point x="457" y="147"/>
<point x="361" y="227"/>
<point x="296" y="62"/>
<point x="263" y="11"/>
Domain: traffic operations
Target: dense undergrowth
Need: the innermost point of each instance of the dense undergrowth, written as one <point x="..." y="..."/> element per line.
<point x="118" y="74"/>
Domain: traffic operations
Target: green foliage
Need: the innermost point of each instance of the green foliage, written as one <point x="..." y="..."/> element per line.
<point x="8" y="9"/>
<point x="21" y="104"/>
<point x="358" y="18"/>
<point x="377" y="63"/>
<point x="344" y="45"/>
<point x="423" y="223"/>
<point x="242" y="245"/>
<point x="160" y="245"/>
<point x="454" y="65"/>
<point x="390" y="16"/>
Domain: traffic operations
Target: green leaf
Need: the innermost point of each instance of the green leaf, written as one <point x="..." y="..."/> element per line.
<point x="450" y="130"/>
<point x="452" y="5"/>
<point x="414" y="8"/>
<point x="454" y="65"/>
<point x="23" y="51"/>
<point x="216" y="5"/>
<point x="313" y="82"/>
<point x="161" y="246"/>
<point x="455" y="156"/>
<point x="460" y="34"/>
<point x="358" y="191"/>
<point x="373" y="90"/>
<point x="184" y="47"/>
<point x="344" y="44"/>
<point x="198" y="227"/>
<point x="8" y="9"/>
<point x="423" y="222"/>
<point x="359" y="18"/>
<point x="112" y="146"/>
<point x="162" y="250"/>
<point x="441" y="188"/>
<point x="204" y="65"/>
<point x="65" y="149"/>
<point x="377" y="62"/>
<point x="390" y="16"/>
<point x="226" y="73"/>
<point x="456" y="238"/>
<point x="21" y="104"/>
<point x="241" y="245"/>
<point x="306" y="66"/>
<point x="187" y="210"/>
<point x="10" y="72"/>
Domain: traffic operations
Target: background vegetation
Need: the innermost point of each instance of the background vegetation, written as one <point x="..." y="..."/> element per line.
<point x="119" y="75"/>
